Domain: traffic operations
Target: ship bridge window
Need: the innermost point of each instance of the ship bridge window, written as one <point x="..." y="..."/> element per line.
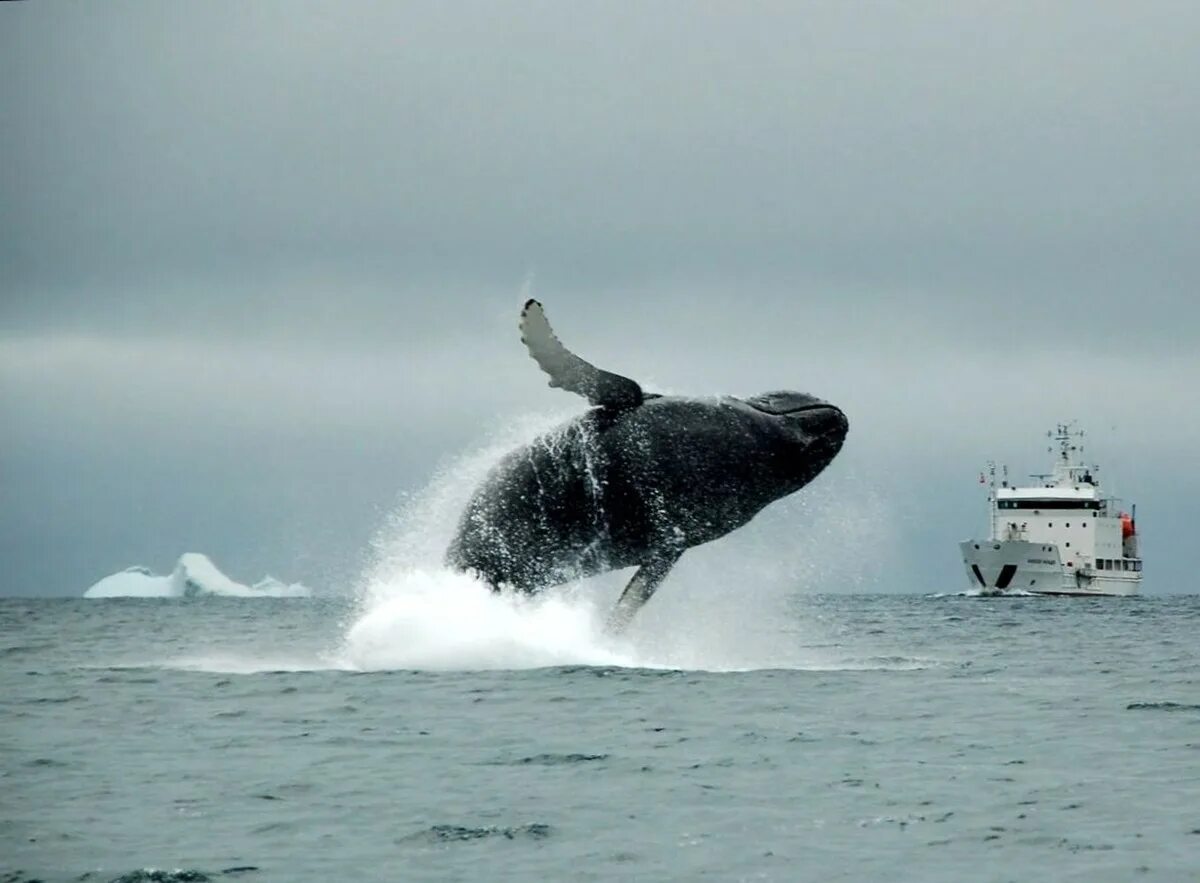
<point x="1048" y="504"/>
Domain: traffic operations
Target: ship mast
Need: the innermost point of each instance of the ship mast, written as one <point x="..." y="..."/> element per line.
<point x="991" y="483"/>
<point x="1068" y="471"/>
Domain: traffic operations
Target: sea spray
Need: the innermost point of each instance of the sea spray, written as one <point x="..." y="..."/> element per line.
<point x="438" y="619"/>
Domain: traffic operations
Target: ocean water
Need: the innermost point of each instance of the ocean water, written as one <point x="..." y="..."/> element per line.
<point x="435" y="732"/>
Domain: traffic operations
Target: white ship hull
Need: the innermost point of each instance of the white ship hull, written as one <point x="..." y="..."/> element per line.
<point x="998" y="566"/>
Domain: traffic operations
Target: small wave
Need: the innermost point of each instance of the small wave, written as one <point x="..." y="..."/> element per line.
<point x="237" y="664"/>
<point x="887" y="663"/>
<point x="53" y="700"/>
<point x="216" y="663"/>
<point x="179" y="875"/>
<point x="461" y="833"/>
<point x="155" y="875"/>
<point x="1161" y="706"/>
<point x="17" y="649"/>
<point x="558" y="759"/>
<point x="45" y="762"/>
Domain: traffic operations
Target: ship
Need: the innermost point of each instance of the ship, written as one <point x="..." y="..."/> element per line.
<point x="1060" y="536"/>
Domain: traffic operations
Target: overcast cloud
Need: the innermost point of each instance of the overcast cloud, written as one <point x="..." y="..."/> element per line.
<point x="260" y="264"/>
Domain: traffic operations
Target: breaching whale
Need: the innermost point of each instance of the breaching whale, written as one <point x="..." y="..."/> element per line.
<point x="636" y="480"/>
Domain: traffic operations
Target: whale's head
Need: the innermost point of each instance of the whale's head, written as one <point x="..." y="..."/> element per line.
<point x="811" y="429"/>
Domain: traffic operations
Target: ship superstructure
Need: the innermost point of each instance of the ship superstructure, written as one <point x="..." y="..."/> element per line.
<point x="1062" y="536"/>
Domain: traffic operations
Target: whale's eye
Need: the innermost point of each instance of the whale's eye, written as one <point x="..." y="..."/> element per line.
<point x="784" y="402"/>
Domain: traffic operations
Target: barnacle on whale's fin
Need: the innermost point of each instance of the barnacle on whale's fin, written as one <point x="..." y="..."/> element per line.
<point x="568" y="371"/>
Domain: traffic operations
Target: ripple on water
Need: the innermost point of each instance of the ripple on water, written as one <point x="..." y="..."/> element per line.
<point x="45" y="762"/>
<point x="54" y="700"/>
<point x="557" y="759"/>
<point x="155" y="875"/>
<point x="178" y="875"/>
<point x="462" y="833"/>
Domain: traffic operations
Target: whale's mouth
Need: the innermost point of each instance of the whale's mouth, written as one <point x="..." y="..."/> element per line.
<point x="823" y="406"/>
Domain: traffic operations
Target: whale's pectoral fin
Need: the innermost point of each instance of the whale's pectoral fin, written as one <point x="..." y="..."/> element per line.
<point x="568" y="371"/>
<point x="640" y="588"/>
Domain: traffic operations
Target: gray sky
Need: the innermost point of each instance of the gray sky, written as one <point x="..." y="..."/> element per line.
<point x="260" y="264"/>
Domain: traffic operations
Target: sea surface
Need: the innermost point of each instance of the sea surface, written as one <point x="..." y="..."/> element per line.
<point x="438" y="734"/>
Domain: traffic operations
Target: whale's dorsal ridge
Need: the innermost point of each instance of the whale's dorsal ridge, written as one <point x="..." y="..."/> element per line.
<point x="568" y="371"/>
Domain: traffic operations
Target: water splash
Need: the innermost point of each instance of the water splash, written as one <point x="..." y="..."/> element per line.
<point x="437" y="619"/>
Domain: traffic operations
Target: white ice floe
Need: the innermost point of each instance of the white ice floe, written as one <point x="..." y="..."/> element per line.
<point x="194" y="575"/>
<point x="136" y="582"/>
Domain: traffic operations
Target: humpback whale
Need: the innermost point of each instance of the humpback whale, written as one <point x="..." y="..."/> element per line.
<point x="636" y="480"/>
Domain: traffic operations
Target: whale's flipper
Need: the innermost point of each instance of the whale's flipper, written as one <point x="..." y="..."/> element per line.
<point x="568" y="371"/>
<point x="639" y="590"/>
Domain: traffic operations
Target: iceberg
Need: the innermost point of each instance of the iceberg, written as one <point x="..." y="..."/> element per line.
<point x="134" y="582"/>
<point x="194" y="576"/>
